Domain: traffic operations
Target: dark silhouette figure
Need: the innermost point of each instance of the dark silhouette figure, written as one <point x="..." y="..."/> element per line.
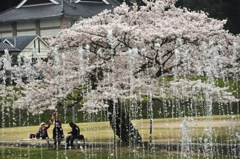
<point x="57" y="130"/>
<point x="75" y="133"/>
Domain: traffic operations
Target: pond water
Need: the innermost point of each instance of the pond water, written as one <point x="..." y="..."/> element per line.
<point x="96" y="153"/>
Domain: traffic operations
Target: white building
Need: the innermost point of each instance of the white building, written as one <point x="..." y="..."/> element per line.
<point x="25" y="47"/>
<point x="22" y="26"/>
<point x="47" y="17"/>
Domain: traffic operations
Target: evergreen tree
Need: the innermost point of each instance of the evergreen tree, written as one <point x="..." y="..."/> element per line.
<point x="219" y="9"/>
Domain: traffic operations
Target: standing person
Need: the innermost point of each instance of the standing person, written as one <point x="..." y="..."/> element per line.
<point x="42" y="132"/>
<point x="57" y="130"/>
<point x="74" y="134"/>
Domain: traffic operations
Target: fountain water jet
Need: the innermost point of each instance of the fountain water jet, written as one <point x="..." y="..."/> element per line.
<point x="155" y="56"/>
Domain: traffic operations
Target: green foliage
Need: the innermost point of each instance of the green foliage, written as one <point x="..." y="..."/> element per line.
<point x="233" y="86"/>
<point x="71" y="97"/>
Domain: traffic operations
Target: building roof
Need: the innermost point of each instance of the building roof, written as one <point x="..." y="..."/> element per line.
<point x="31" y="13"/>
<point x="16" y="43"/>
<point x="20" y="42"/>
<point x="32" y="2"/>
<point x="85" y="9"/>
<point x="5" y="46"/>
<point x="36" y="2"/>
<point x="66" y="8"/>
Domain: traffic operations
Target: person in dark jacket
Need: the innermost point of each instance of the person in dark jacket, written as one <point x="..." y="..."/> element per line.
<point x="74" y="134"/>
<point x="57" y="130"/>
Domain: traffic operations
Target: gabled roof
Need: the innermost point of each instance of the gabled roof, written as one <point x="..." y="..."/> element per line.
<point x="17" y="43"/>
<point x="5" y="46"/>
<point x="20" y="42"/>
<point x="32" y="2"/>
<point x="83" y="9"/>
<point x="36" y="2"/>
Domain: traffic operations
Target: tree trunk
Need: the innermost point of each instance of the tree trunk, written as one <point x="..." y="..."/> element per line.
<point x="122" y="126"/>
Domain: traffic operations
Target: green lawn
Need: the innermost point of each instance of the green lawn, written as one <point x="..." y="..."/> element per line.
<point x="90" y="153"/>
<point x="224" y="129"/>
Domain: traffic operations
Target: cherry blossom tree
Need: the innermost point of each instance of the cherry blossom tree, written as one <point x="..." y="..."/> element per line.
<point x="130" y="53"/>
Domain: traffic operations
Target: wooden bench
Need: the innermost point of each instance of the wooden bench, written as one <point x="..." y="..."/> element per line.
<point x="76" y="142"/>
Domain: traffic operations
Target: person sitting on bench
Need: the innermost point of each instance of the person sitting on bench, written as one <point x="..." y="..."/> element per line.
<point x="74" y="134"/>
<point x="42" y="132"/>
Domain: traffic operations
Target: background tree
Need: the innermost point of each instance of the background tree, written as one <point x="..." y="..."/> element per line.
<point x="121" y="57"/>
<point x="219" y="9"/>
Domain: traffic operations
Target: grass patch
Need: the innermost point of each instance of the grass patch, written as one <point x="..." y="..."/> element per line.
<point x="94" y="153"/>
<point x="224" y="129"/>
